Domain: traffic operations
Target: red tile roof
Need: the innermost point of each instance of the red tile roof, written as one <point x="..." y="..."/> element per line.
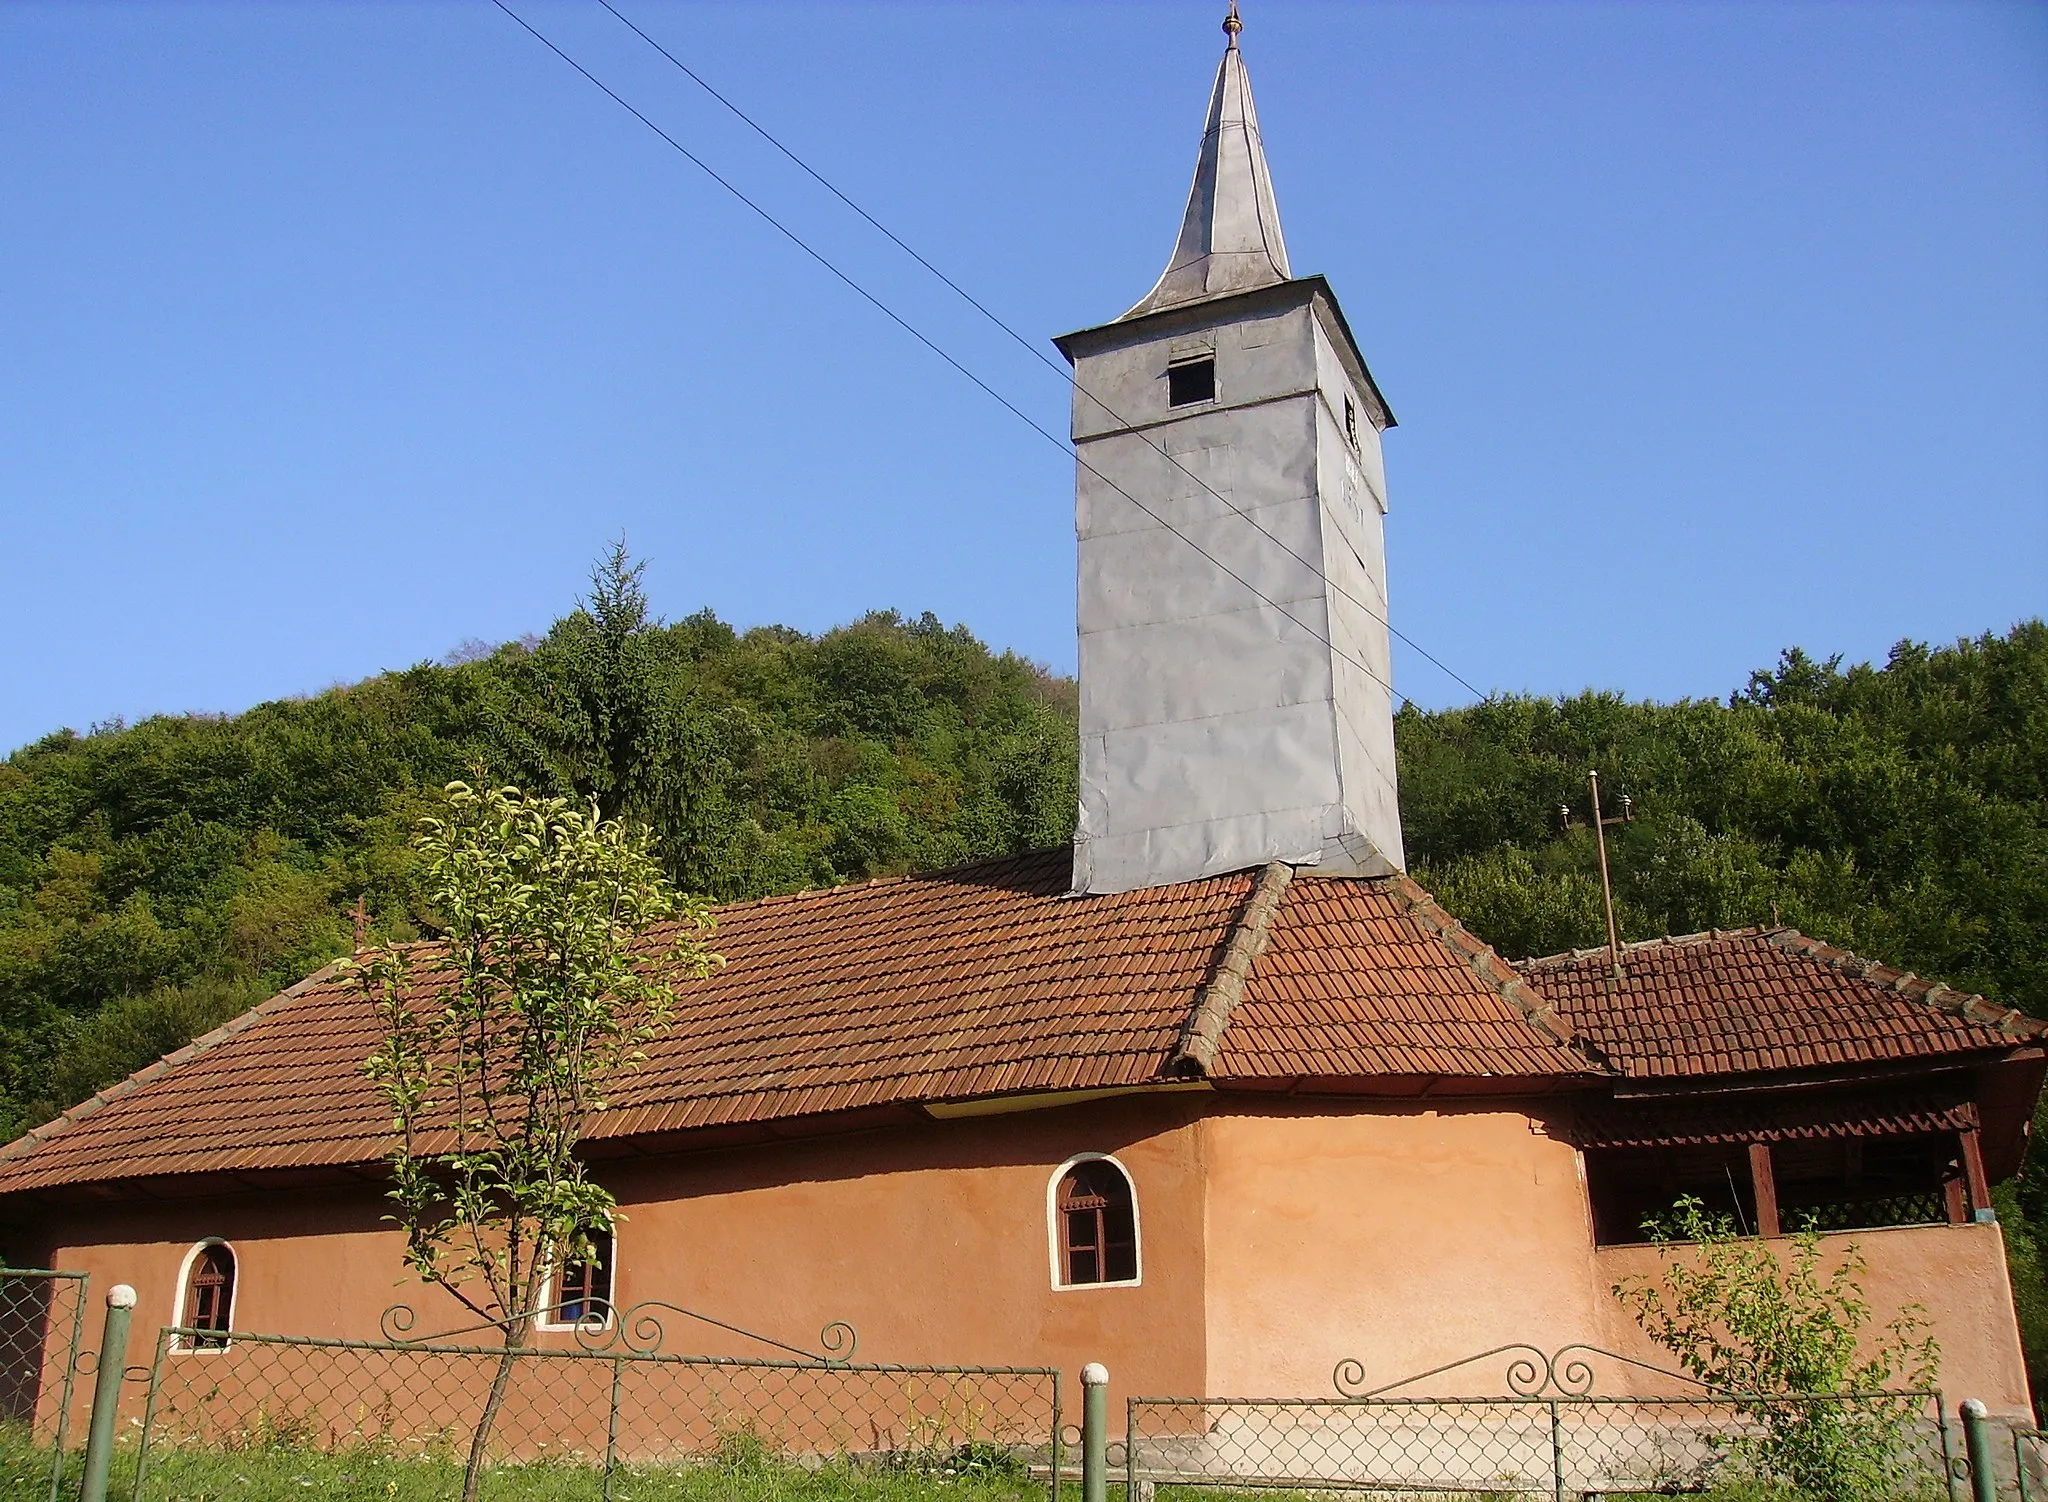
<point x="976" y="982"/>
<point x="1371" y="977"/>
<point x="990" y="980"/>
<point x="1761" y="1000"/>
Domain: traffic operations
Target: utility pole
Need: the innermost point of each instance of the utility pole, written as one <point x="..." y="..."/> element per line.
<point x="1600" y="823"/>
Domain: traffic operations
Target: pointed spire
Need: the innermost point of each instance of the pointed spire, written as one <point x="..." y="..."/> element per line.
<point x="1230" y="237"/>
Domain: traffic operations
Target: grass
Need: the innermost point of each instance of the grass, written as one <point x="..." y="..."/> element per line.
<point x="744" y="1473"/>
<point x="243" y="1476"/>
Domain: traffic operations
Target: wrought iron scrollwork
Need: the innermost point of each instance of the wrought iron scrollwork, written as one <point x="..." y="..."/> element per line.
<point x="838" y="1341"/>
<point x="396" y="1323"/>
<point x="636" y="1330"/>
<point x="1528" y="1372"/>
<point x="639" y="1329"/>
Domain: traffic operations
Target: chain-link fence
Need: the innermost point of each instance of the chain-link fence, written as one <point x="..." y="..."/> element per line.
<point x="2030" y="1463"/>
<point x="1555" y="1447"/>
<point x="42" y="1316"/>
<point x="604" y="1410"/>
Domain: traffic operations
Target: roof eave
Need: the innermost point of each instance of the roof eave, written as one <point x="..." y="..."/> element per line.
<point x="1314" y="289"/>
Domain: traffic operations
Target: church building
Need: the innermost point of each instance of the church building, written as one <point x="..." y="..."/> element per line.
<point x="1218" y="1096"/>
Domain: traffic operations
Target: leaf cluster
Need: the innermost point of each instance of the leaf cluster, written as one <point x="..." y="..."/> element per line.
<point x="1898" y="811"/>
<point x="496" y="1059"/>
<point x="1772" y="1324"/>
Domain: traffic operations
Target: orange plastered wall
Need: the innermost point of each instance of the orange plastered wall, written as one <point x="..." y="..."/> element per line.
<point x="932" y="1241"/>
<point x="1404" y="1237"/>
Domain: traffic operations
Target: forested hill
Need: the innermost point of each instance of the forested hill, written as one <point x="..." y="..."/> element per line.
<point x="157" y="878"/>
<point x="1901" y="811"/>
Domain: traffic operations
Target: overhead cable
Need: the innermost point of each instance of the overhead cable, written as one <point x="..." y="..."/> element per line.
<point x="911" y="329"/>
<point x="1029" y="345"/>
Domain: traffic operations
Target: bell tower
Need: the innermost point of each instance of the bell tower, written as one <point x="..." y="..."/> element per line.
<point x="1236" y="705"/>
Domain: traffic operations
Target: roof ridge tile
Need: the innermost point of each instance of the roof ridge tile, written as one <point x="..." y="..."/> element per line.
<point x="1936" y="995"/>
<point x="1202" y="1035"/>
<point x="1663" y="941"/>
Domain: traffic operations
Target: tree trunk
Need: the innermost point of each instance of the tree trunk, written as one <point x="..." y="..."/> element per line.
<point x="515" y="1342"/>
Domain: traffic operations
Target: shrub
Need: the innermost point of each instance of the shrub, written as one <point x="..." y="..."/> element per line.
<point x="1787" y="1338"/>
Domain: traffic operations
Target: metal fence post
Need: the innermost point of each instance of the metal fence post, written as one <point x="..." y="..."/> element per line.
<point x="70" y="1379"/>
<point x="1977" y="1443"/>
<point x="1094" y="1432"/>
<point x="1131" y="1448"/>
<point x="1059" y="1439"/>
<point x="164" y="1340"/>
<point x="106" y="1393"/>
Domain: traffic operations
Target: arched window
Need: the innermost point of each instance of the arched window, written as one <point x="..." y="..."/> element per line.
<point x="209" y="1296"/>
<point x="1095" y="1219"/>
<point x="582" y="1288"/>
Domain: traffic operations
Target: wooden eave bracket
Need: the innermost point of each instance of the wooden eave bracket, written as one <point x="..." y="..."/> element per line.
<point x="1202" y="1036"/>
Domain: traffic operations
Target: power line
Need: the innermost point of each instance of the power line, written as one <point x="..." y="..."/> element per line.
<point x="894" y="317"/>
<point x="1025" y="343"/>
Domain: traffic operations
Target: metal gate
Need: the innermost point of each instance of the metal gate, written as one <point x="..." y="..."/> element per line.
<point x="42" y="1316"/>
<point x="599" y="1408"/>
<point x="1544" y="1431"/>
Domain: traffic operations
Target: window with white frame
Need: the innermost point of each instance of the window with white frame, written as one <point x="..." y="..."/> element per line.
<point x="1094" y="1214"/>
<point x="580" y="1288"/>
<point x="206" y="1300"/>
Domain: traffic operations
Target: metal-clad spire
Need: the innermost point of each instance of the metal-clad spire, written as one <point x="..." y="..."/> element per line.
<point x="1230" y="238"/>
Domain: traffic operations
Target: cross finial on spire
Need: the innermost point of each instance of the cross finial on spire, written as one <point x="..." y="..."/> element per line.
<point x="1231" y="24"/>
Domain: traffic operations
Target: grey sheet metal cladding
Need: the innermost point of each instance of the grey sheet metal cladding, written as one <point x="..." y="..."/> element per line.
<point x="1235" y="672"/>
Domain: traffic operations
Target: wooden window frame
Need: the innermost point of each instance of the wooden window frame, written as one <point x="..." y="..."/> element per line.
<point x="549" y="1319"/>
<point x="182" y="1311"/>
<point x="1055" y="1230"/>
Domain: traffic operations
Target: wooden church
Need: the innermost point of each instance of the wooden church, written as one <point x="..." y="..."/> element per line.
<point x="1218" y="1096"/>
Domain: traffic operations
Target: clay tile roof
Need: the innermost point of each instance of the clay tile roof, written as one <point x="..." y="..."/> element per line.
<point x="1371" y="977"/>
<point x="982" y="981"/>
<point x="1761" y="1000"/>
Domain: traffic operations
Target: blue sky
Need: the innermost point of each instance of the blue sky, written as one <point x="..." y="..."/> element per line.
<point x="333" y="336"/>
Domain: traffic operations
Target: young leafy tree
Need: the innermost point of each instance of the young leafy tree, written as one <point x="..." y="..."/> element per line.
<point x="500" y="1041"/>
<point x="1779" y="1331"/>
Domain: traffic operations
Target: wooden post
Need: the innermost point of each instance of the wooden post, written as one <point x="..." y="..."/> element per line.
<point x="1953" y="1198"/>
<point x="1765" y="1185"/>
<point x="1973" y="1174"/>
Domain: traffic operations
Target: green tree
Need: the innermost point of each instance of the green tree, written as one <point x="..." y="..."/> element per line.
<point x="598" y="709"/>
<point x="500" y="1048"/>
<point x="225" y="853"/>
